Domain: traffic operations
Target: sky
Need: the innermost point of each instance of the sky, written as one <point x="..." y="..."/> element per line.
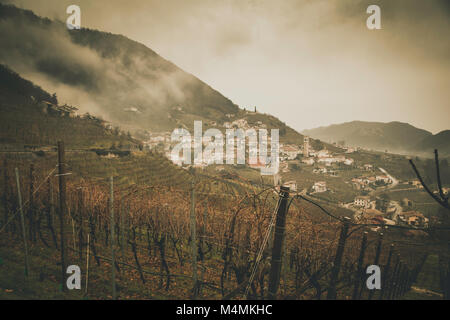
<point x="310" y="63"/>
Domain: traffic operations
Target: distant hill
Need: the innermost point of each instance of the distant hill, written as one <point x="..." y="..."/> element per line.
<point x="440" y="141"/>
<point x="396" y="137"/>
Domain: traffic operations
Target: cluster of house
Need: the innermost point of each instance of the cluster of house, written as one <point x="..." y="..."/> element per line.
<point x="289" y="152"/>
<point x="163" y="139"/>
<point x="242" y="124"/>
<point x="350" y="149"/>
<point x="324" y="156"/>
<point x="326" y="171"/>
<point x="366" y="182"/>
<point x="64" y="110"/>
<point x="413" y="218"/>
<point x="371" y="214"/>
<point x="159" y="139"/>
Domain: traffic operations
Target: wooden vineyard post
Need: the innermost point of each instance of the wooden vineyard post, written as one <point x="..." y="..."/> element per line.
<point x="113" y="260"/>
<point x="122" y="227"/>
<point x="51" y="213"/>
<point x="376" y="261"/>
<point x="397" y="280"/>
<point x="62" y="206"/>
<point x="386" y="272"/>
<point x="401" y="280"/>
<point x="404" y="283"/>
<point x="31" y="217"/>
<point x="80" y="222"/>
<point x="360" y="271"/>
<point x="392" y="279"/>
<point x="22" y="222"/>
<point x="277" y="248"/>
<point x="331" y="295"/>
<point x="193" y="239"/>
<point x="5" y="193"/>
<point x="73" y="236"/>
<point x="87" y="263"/>
<point x="202" y="248"/>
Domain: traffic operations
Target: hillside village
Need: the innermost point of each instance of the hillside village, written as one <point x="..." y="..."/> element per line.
<point x="364" y="180"/>
<point x="324" y="164"/>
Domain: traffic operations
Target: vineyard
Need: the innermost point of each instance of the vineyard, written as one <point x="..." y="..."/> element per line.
<point x="140" y="227"/>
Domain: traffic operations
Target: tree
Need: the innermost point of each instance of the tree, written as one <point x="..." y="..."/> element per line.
<point x="382" y="202"/>
<point x="440" y="198"/>
<point x="54" y="99"/>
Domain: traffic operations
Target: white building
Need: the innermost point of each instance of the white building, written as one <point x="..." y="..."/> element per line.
<point x="320" y="186"/>
<point x="348" y="161"/>
<point x="362" y="201"/>
<point x="324" y="153"/>
<point x="384" y="179"/>
<point x="327" y="161"/>
<point x="291" y="184"/>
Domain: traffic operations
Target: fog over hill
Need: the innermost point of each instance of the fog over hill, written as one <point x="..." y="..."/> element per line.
<point x="115" y="78"/>
<point x="105" y="74"/>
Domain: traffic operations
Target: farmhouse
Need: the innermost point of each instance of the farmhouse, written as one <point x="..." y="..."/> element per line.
<point x="291" y="184"/>
<point x="416" y="183"/>
<point x="320" y="186"/>
<point x="384" y="179"/>
<point x="413" y="218"/>
<point x="362" y="201"/>
<point x="348" y="161"/>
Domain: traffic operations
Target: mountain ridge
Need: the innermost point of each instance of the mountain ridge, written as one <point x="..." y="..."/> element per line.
<point x="108" y="72"/>
<point x="394" y="136"/>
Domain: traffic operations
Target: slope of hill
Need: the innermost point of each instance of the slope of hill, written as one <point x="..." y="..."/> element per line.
<point x="31" y="116"/>
<point x="107" y="74"/>
<point x="117" y="79"/>
<point x="395" y="137"/>
<point x="114" y="77"/>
